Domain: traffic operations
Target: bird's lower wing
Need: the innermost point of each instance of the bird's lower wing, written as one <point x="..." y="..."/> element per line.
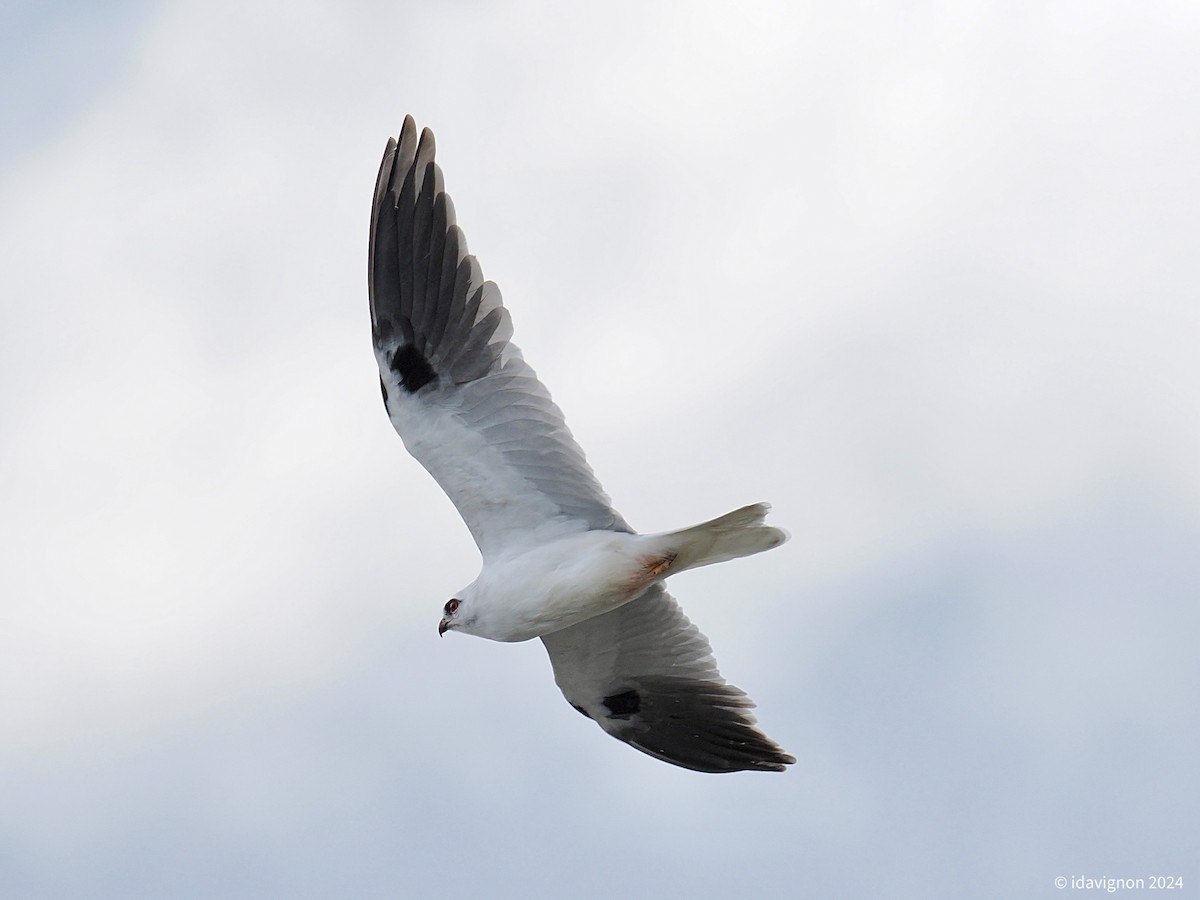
<point x="468" y="407"/>
<point x="647" y="676"/>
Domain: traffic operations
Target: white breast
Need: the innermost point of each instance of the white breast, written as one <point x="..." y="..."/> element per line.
<point x="558" y="585"/>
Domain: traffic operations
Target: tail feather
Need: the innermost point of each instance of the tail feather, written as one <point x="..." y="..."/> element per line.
<point x="735" y="534"/>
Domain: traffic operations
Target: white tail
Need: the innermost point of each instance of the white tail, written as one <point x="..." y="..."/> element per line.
<point x="739" y="533"/>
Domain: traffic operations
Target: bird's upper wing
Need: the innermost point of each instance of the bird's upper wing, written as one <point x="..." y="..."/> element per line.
<point x="647" y="676"/>
<point x="467" y="405"/>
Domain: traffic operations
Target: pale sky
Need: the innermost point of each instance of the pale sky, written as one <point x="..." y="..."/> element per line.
<point x="922" y="278"/>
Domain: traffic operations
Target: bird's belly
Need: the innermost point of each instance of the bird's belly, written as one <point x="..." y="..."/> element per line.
<point x="586" y="577"/>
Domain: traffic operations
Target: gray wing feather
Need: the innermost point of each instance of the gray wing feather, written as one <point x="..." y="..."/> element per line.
<point x="458" y="392"/>
<point x="647" y="676"/>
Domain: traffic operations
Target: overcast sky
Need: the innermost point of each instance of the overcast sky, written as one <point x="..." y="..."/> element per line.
<point x="924" y="278"/>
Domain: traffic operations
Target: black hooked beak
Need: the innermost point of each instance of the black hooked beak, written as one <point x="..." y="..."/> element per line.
<point x="443" y="626"/>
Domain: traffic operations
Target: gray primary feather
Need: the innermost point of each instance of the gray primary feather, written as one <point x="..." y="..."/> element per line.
<point x="475" y="415"/>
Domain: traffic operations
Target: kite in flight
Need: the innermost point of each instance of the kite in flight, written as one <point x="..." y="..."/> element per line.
<point x="559" y="563"/>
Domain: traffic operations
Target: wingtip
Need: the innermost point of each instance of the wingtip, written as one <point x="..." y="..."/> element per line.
<point x="712" y="761"/>
<point x="702" y="726"/>
<point x="408" y="128"/>
<point x="426" y="147"/>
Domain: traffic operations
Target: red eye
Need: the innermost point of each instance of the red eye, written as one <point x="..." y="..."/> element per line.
<point x="451" y="606"/>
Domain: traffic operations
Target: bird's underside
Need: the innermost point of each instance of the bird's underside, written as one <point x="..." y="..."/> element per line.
<point x="475" y="415"/>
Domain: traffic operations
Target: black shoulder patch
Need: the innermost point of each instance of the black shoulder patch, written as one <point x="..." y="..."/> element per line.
<point x="579" y="709"/>
<point x="624" y="704"/>
<point x="414" y="369"/>
<point x="383" y="388"/>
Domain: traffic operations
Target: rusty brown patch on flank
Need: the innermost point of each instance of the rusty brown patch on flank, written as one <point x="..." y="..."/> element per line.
<point x="657" y="565"/>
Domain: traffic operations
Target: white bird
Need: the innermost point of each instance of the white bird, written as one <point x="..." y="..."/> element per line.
<point x="558" y="562"/>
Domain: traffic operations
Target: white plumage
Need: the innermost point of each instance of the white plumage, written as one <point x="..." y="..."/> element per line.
<point x="558" y="562"/>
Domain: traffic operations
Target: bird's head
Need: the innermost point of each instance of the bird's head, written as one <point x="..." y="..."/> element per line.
<point x="461" y="613"/>
<point x="449" y="615"/>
